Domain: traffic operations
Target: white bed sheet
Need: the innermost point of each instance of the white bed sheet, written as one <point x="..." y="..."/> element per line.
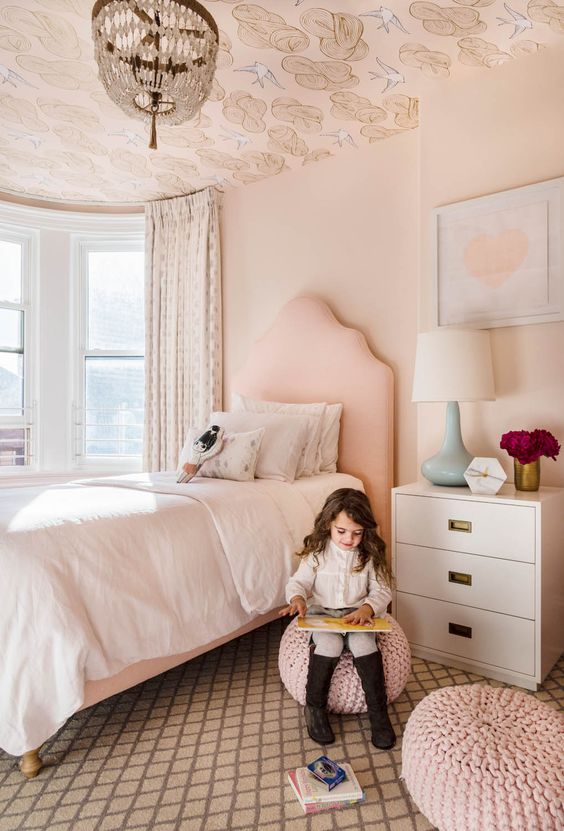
<point x="100" y="574"/>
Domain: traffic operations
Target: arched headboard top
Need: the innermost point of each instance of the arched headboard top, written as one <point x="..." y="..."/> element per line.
<point x="307" y="356"/>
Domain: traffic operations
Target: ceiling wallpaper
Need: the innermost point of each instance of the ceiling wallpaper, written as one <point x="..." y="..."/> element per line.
<point x="297" y="82"/>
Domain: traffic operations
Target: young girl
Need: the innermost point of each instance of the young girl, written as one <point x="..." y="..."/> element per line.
<point x="344" y="574"/>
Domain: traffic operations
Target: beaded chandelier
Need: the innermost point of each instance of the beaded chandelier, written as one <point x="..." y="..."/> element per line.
<point x="156" y="58"/>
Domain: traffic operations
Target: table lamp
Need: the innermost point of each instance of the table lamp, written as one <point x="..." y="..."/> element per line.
<point x="452" y="365"/>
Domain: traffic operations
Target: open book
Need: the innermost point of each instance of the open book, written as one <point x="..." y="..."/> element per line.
<point x="315" y="623"/>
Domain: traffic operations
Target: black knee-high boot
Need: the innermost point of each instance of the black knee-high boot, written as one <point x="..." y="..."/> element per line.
<point x="319" y="676"/>
<point x="371" y="672"/>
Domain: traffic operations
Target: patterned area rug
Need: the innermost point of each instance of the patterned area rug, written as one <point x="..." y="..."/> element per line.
<point x="206" y="747"/>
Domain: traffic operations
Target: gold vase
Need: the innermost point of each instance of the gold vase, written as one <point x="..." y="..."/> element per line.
<point x="527" y="477"/>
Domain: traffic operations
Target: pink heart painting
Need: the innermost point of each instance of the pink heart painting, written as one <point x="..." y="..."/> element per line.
<point x="493" y="259"/>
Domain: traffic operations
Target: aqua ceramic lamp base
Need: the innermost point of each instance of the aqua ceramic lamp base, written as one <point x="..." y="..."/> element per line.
<point x="448" y="465"/>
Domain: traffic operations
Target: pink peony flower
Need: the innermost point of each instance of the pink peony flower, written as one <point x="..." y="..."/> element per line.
<point x="528" y="446"/>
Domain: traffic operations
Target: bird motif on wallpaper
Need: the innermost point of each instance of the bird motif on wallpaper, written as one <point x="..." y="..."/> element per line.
<point x="132" y="138"/>
<point x="220" y="181"/>
<point x="392" y="76"/>
<point x="520" y="22"/>
<point x="33" y="140"/>
<point x="262" y="72"/>
<point x="341" y="137"/>
<point x="233" y="135"/>
<point x="387" y="16"/>
<point x="42" y="180"/>
<point x="8" y="76"/>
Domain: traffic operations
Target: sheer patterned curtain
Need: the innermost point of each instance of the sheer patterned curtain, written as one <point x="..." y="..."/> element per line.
<point x="183" y="322"/>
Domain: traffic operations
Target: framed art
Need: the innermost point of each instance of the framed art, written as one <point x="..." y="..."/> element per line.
<point x="499" y="259"/>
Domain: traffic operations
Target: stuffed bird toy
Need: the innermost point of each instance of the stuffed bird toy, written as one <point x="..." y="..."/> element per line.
<point x="203" y="448"/>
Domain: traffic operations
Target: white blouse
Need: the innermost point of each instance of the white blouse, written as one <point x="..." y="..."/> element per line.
<point x="335" y="585"/>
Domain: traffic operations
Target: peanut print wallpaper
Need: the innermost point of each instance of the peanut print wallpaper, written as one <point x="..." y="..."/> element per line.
<point x="296" y="83"/>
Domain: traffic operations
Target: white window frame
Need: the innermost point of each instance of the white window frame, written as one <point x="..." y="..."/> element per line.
<point x="81" y="247"/>
<point x="52" y="328"/>
<point x="28" y="240"/>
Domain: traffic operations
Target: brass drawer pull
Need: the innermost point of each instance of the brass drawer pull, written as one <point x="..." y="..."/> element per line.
<point x="460" y="578"/>
<point x="460" y="525"/>
<point x="459" y="629"/>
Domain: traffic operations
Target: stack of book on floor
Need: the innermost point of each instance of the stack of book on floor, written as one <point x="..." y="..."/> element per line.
<point x="314" y="795"/>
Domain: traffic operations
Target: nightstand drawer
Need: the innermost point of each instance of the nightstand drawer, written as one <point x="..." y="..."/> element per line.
<point x="484" y="582"/>
<point x="487" y="528"/>
<point x="474" y="634"/>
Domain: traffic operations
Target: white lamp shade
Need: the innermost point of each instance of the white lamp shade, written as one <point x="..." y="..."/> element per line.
<point x="453" y="365"/>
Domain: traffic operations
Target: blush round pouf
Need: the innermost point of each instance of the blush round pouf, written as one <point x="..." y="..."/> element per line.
<point x="481" y="758"/>
<point x="345" y="693"/>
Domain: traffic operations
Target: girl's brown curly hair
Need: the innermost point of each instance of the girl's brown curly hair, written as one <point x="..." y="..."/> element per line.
<point x="357" y="507"/>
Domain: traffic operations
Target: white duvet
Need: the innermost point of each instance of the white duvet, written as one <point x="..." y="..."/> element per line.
<point x="95" y="576"/>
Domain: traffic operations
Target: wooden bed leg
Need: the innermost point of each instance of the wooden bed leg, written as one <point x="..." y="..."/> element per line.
<point x="30" y="763"/>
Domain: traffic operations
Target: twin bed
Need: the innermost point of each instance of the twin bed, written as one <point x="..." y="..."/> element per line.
<point x="108" y="582"/>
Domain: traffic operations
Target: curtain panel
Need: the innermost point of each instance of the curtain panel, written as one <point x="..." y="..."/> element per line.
<point x="183" y="341"/>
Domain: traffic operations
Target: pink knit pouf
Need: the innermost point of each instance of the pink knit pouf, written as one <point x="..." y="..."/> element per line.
<point x="345" y="694"/>
<point x="481" y="758"/>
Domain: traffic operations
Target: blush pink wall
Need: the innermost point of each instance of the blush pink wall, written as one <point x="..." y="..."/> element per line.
<point x="501" y="129"/>
<point x="347" y="230"/>
<point x="344" y="230"/>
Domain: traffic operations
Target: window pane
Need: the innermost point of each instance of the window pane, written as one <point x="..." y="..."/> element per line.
<point x="114" y="406"/>
<point x="13" y="446"/>
<point x="11" y="329"/>
<point x="11" y="384"/>
<point x="116" y="300"/>
<point x="11" y="274"/>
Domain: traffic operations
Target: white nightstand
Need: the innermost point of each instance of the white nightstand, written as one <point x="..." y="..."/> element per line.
<point x="480" y="579"/>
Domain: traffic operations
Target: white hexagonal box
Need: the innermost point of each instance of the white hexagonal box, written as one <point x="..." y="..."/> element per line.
<point x="485" y="475"/>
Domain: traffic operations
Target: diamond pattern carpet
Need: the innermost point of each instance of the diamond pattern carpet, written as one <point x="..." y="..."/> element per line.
<point x="206" y="747"/>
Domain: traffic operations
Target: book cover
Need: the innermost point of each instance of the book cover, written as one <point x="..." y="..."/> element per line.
<point x="312" y="790"/>
<point x="315" y="623"/>
<point x="316" y="807"/>
<point x="327" y="771"/>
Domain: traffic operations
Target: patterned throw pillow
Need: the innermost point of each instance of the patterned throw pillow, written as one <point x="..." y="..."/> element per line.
<point x="237" y="458"/>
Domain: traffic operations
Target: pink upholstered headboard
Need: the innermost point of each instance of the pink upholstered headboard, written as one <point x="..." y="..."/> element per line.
<point x="307" y="355"/>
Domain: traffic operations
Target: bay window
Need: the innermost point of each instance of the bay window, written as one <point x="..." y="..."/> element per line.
<point x="16" y="408"/>
<point x="71" y="342"/>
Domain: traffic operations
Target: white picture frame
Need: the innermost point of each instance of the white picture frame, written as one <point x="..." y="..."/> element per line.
<point x="499" y="259"/>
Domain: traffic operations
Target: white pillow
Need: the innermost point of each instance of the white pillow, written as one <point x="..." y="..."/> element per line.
<point x="236" y="460"/>
<point x="282" y="444"/>
<point x="330" y="416"/>
<point x="309" y="463"/>
<point x="329" y="443"/>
